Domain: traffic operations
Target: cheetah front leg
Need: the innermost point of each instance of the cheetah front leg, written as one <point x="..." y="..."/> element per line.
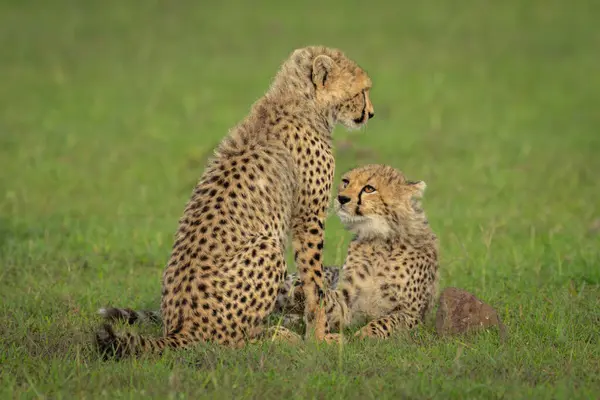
<point x="334" y="302"/>
<point x="338" y="315"/>
<point x="382" y="328"/>
<point x="308" y="249"/>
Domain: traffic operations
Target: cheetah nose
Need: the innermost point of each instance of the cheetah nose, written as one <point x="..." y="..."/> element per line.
<point x="343" y="199"/>
<point x="371" y="115"/>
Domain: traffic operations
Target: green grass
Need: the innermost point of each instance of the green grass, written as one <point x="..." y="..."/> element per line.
<point x="109" y="109"/>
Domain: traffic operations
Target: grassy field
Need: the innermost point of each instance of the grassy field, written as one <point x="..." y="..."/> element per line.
<point x="110" y="108"/>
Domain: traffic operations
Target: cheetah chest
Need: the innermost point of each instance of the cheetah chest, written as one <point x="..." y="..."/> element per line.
<point x="376" y="289"/>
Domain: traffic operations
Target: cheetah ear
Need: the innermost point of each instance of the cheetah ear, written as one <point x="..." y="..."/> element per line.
<point x="420" y="187"/>
<point x="322" y="68"/>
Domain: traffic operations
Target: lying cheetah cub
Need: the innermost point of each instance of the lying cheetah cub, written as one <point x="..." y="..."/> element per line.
<point x="390" y="274"/>
<point x="269" y="179"/>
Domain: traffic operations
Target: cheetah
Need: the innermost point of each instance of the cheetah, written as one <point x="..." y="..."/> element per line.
<point x="270" y="178"/>
<point x="390" y="275"/>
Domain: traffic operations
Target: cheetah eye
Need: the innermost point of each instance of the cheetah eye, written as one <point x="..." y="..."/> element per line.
<point x="368" y="189"/>
<point x="345" y="182"/>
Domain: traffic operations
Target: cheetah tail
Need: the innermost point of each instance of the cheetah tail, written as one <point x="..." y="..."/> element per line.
<point x="130" y="316"/>
<point x="118" y="345"/>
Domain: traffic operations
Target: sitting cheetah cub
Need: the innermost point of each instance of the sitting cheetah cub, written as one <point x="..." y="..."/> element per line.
<point x="390" y="274"/>
<point x="270" y="178"/>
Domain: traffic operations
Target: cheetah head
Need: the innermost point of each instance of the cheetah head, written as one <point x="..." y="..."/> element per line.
<point x="344" y="88"/>
<point x="376" y="201"/>
<point x="333" y="83"/>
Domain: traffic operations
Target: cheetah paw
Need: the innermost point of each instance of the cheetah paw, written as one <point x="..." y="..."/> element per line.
<point x="367" y="333"/>
<point x="282" y="334"/>
<point x="333" y="338"/>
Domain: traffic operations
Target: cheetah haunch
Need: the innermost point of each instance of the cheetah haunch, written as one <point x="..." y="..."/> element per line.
<point x="271" y="176"/>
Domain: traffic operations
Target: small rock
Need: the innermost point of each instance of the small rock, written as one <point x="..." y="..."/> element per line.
<point x="595" y="226"/>
<point x="461" y="312"/>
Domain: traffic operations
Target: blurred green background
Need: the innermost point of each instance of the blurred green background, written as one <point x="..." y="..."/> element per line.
<point x="109" y="109"/>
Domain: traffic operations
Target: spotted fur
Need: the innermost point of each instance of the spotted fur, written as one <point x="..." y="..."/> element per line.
<point x="390" y="275"/>
<point x="269" y="178"/>
<point x="290" y="301"/>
